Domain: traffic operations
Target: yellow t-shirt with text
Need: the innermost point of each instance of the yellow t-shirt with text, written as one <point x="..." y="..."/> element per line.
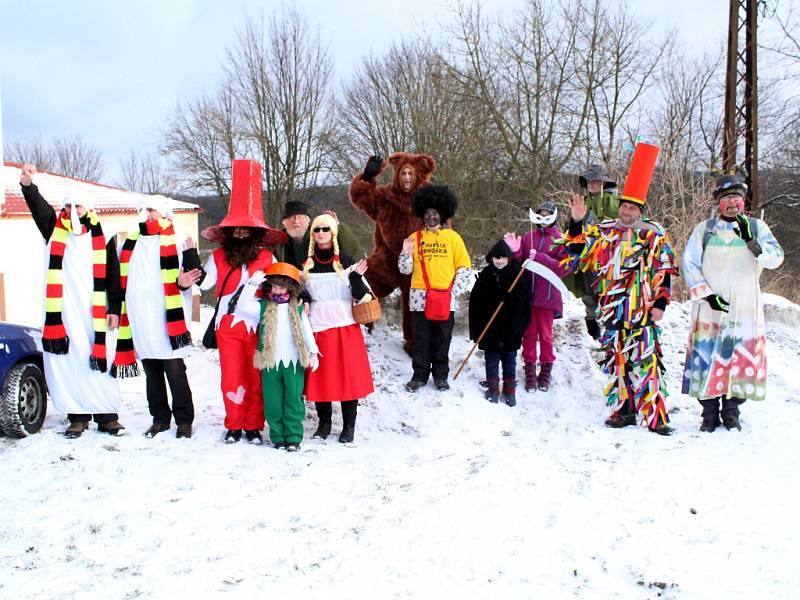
<point x="444" y="253"/>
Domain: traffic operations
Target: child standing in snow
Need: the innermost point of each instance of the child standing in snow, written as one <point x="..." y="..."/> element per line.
<point x="286" y="347"/>
<point x="546" y="302"/>
<point x="504" y="336"/>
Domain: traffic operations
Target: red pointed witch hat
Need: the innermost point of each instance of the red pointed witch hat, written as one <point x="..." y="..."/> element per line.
<point x="245" y="208"/>
<point x="640" y="174"/>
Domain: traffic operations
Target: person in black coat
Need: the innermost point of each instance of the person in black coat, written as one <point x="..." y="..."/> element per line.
<point x="504" y="337"/>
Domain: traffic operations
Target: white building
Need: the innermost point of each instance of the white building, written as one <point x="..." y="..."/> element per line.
<point x="22" y="249"/>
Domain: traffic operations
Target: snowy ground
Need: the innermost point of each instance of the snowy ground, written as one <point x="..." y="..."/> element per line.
<point x="444" y="495"/>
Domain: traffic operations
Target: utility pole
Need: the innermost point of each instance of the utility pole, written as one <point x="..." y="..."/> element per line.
<point x="741" y="96"/>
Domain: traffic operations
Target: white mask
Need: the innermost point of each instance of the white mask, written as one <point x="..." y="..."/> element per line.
<point x="538" y="219"/>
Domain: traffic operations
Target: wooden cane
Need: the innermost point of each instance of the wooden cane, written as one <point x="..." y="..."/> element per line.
<point x="489" y="324"/>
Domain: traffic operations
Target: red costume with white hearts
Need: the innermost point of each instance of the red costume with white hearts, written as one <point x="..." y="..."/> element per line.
<point x="237" y="322"/>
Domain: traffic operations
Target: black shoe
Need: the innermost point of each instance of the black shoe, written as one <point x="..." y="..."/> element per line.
<point x="617" y="420"/>
<point x="710" y="423"/>
<point x="184" y="431"/>
<point x="232" y="436"/>
<point x="441" y="384"/>
<point x="76" y="429"/>
<point x="253" y="437"/>
<point x="731" y="422"/>
<point x="593" y="328"/>
<point x="292" y="447"/>
<point x="348" y="434"/>
<point x="155" y="429"/>
<point x="663" y="429"/>
<point x="323" y="431"/>
<point x="413" y="385"/>
<point x="279" y="445"/>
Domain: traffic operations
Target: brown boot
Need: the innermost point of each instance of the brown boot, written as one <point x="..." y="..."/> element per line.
<point x="531" y="381"/>
<point x="492" y="393"/>
<point x="76" y="429"/>
<point x="112" y="428"/>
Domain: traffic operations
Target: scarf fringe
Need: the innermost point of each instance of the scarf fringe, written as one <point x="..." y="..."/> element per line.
<point x="180" y="341"/>
<point x="98" y="364"/>
<point x="56" y="346"/>
<point x="124" y="371"/>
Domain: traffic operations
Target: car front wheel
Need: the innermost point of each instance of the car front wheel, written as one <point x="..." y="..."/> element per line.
<point x="23" y="405"/>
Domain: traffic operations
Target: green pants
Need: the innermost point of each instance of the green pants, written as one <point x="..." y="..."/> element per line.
<point x="283" y="402"/>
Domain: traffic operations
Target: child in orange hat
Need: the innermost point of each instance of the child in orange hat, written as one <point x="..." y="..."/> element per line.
<point x="286" y="348"/>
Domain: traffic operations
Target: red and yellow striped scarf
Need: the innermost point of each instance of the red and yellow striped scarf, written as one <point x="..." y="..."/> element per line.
<point x="125" y="359"/>
<point x="54" y="335"/>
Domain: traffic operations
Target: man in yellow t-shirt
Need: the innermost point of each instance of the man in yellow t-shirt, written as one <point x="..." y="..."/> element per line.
<point x="436" y="259"/>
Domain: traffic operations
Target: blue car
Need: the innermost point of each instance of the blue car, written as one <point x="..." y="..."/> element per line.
<point x="23" y="404"/>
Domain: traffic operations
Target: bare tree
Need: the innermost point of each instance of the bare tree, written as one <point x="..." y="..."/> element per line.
<point x="144" y="174"/>
<point x="281" y="77"/>
<point x="201" y="139"/>
<point x="67" y="156"/>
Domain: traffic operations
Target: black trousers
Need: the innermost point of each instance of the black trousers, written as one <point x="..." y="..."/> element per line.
<point x="174" y="370"/>
<point x="100" y="418"/>
<point x="430" y="351"/>
<point x="349" y="410"/>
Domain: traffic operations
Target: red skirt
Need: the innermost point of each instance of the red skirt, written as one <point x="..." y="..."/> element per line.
<point x="344" y="372"/>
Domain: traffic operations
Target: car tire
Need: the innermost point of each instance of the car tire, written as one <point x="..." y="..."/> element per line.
<point x="23" y="404"/>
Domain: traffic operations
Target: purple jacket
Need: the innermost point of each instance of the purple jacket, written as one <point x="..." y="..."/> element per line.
<point x="544" y="294"/>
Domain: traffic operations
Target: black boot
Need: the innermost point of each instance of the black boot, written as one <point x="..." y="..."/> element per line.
<point x="544" y="376"/>
<point x="349" y="411"/>
<point x="710" y="415"/>
<point x="492" y="393"/>
<point x="593" y="327"/>
<point x="232" y="436"/>
<point x="730" y="413"/>
<point x="323" y="430"/>
<point x="531" y="382"/>
<point x="510" y="391"/>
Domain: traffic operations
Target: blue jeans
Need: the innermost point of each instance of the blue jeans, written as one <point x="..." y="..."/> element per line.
<point x="493" y="360"/>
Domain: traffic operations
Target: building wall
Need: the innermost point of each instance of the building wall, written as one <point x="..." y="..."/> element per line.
<point x="22" y="261"/>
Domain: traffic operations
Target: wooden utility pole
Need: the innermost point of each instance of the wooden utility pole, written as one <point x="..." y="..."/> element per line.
<point x="741" y="96"/>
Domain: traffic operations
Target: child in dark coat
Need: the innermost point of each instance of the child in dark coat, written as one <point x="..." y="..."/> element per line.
<point x="504" y="337"/>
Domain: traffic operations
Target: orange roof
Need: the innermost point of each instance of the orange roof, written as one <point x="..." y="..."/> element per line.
<point x="107" y="199"/>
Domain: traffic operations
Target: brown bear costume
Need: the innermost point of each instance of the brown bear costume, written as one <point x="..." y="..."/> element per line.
<point x="390" y="207"/>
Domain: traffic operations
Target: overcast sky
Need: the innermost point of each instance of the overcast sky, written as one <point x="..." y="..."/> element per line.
<point x="113" y="71"/>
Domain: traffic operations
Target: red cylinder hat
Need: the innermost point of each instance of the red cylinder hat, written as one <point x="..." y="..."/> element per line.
<point x="640" y="174"/>
<point x="245" y="208"/>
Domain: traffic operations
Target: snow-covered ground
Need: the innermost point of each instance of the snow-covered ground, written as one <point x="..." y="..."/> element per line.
<point x="443" y="495"/>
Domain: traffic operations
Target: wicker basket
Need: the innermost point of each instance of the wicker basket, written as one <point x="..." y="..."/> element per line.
<point x="367" y="312"/>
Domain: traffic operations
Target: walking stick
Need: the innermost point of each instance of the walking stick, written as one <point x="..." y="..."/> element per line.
<point x="489" y="324"/>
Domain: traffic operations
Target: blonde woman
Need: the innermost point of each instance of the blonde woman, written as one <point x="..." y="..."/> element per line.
<point x="332" y="282"/>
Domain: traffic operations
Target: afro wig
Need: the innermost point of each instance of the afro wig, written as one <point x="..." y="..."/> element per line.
<point x="438" y="197"/>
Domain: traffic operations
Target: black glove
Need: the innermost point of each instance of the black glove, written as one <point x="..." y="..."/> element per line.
<point x="373" y="167"/>
<point x="744" y="230"/>
<point x="717" y="303"/>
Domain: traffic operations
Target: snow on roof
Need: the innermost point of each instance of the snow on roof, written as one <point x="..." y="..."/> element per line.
<point x="53" y="187"/>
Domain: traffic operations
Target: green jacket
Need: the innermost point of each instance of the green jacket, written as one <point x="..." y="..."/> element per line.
<point x="603" y="206"/>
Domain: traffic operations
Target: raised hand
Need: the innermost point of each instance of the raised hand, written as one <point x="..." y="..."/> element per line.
<point x="373" y="167"/>
<point x="189" y="243"/>
<point x="744" y="231"/>
<point x="360" y="267"/>
<point x="187" y="279"/>
<point x="513" y="241"/>
<point x="256" y="279"/>
<point x="577" y="207"/>
<point x="26" y="176"/>
<point x="408" y="246"/>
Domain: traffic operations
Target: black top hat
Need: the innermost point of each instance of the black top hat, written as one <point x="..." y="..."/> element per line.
<point x="294" y="207"/>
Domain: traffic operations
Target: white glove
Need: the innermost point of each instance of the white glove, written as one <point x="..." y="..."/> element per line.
<point x="314" y="362"/>
<point x="256" y="279"/>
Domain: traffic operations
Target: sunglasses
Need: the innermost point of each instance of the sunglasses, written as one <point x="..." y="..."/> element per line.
<point x="321" y="229"/>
